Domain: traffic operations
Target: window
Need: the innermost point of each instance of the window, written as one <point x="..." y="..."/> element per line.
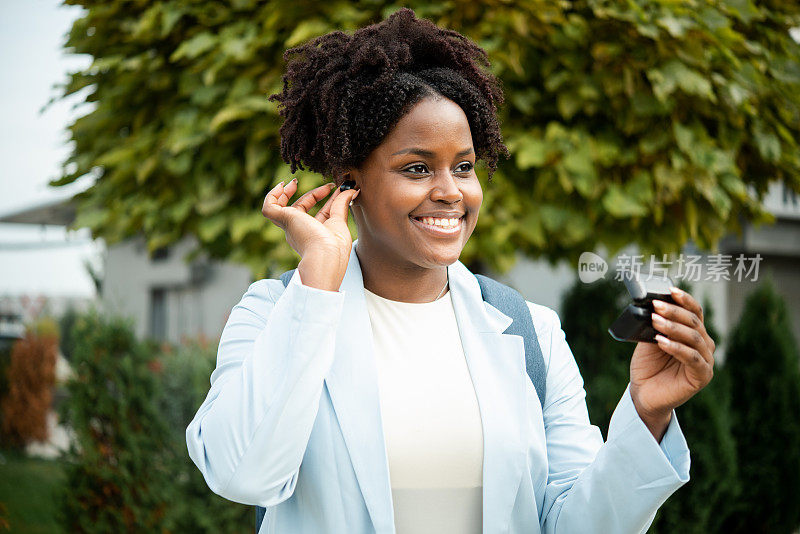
<point x="158" y="313"/>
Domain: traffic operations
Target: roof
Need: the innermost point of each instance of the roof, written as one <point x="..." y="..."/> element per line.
<point x="59" y="212"/>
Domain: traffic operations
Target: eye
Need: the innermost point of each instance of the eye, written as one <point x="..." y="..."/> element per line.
<point x="417" y="168"/>
<point x="464" y="167"/>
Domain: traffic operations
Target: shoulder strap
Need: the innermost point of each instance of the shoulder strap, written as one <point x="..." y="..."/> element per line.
<point x="512" y="303"/>
<point x="285" y="277"/>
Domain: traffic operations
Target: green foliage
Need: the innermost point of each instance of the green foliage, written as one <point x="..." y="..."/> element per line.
<point x="194" y="508"/>
<point x="706" y="422"/>
<point x="129" y="405"/>
<point x="626" y="120"/>
<point x="65" y="329"/>
<point x="700" y="505"/>
<point x="115" y="470"/>
<point x="764" y="366"/>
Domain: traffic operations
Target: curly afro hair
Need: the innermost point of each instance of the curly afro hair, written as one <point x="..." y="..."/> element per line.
<point x="342" y="94"/>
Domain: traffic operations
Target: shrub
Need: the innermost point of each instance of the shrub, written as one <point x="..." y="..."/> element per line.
<point x="30" y="380"/>
<point x="765" y="379"/>
<point x="702" y="504"/>
<point x="184" y="380"/>
<point x="115" y="471"/>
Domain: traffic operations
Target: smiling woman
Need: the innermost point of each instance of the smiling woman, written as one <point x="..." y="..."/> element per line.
<point x="381" y="386"/>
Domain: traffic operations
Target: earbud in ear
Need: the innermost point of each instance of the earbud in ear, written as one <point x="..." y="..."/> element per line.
<point x="348" y="184"/>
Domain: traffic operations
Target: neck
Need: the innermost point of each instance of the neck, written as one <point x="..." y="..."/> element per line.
<point x="403" y="283"/>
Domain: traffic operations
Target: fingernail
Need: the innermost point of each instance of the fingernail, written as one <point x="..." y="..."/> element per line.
<point x="676" y="290"/>
<point x="294" y="180"/>
<point x="659" y="305"/>
<point x="280" y="184"/>
<point x="657" y="319"/>
<point x="662" y="339"/>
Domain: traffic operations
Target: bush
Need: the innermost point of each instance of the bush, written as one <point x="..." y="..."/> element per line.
<point x="66" y="324"/>
<point x="30" y="379"/>
<point x="115" y="471"/>
<point x="129" y="404"/>
<point x="705" y="421"/>
<point x="184" y="380"/>
<point x="765" y="377"/>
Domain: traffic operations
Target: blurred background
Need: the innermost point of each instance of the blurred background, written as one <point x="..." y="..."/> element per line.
<point x="138" y="143"/>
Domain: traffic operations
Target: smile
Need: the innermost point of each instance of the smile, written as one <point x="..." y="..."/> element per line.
<point x="439" y="227"/>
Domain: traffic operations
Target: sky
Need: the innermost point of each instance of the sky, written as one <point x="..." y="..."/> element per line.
<point x="33" y="146"/>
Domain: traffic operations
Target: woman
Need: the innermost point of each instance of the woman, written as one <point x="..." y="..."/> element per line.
<point x="376" y="392"/>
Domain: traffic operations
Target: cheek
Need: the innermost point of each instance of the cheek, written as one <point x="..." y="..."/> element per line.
<point x="473" y="195"/>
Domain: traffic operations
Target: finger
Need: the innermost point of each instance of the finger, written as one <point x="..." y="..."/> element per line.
<point x="325" y="212"/>
<point x="288" y="190"/>
<point x="684" y="299"/>
<point x="311" y="198"/>
<point x="271" y="208"/>
<point x="684" y="334"/>
<point x="340" y="206"/>
<point x="699" y="368"/>
<point x="683" y="315"/>
<point x="678" y="314"/>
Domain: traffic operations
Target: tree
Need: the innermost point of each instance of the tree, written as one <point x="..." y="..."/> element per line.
<point x="625" y="120"/>
<point x="764" y="367"/>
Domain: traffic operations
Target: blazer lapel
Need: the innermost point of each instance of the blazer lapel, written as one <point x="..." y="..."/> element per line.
<point x="496" y="363"/>
<point x="353" y="386"/>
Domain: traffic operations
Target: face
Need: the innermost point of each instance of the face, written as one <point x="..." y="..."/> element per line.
<point x="420" y="196"/>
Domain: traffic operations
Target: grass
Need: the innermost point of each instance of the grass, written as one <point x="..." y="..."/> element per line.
<point x="28" y="489"/>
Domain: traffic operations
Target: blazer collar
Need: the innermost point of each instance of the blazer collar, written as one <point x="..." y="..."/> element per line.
<point x="496" y="364"/>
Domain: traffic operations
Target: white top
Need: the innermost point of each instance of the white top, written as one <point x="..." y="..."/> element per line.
<point x="430" y="416"/>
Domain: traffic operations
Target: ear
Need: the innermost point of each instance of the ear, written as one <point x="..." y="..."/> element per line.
<point x="351" y="174"/>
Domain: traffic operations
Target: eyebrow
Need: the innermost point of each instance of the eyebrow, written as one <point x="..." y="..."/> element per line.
<point x="427" y="153"/>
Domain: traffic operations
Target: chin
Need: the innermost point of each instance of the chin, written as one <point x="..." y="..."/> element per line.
<point x="440" y="258"/>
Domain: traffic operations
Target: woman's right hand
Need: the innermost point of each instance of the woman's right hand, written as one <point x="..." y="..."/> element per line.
<point x="322" y="241"/>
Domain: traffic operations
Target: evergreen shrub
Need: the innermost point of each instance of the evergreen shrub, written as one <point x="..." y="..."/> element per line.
<point x="764" y="367"/>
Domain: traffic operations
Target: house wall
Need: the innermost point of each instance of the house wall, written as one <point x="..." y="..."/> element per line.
<point x="192" y="306"/>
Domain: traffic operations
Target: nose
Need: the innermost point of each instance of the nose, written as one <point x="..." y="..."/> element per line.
<point x="446" y="188"/>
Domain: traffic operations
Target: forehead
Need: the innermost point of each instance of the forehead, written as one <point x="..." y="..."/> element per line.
<point x="431" y="122"/>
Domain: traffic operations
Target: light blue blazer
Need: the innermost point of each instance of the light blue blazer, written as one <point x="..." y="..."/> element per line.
<point x="292" y="421"/>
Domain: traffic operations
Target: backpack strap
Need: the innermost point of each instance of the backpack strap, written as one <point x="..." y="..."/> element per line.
<point x="512" y="303"/>
<point x="285" y="277"/>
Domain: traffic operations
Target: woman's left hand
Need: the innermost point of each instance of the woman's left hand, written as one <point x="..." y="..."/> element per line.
<point x="667" y="374"/>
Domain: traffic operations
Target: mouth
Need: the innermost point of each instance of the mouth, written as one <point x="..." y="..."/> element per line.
<point x="440" y="226"/>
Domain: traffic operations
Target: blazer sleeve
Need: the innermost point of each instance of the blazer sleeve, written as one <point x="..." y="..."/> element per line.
<point x="596" y="487"/>
<point x="249" y="436"/>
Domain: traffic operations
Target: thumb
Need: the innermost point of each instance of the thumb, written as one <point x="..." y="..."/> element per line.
<point x="340" y="204"/>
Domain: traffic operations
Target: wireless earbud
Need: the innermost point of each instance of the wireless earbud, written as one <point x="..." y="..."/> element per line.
<point x="348" y="184"/>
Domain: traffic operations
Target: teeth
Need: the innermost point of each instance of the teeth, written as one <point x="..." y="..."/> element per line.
<point x="443" y="223"/>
